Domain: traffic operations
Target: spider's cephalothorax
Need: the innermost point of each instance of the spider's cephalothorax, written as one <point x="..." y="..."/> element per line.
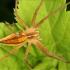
<point x="31" y="35"/>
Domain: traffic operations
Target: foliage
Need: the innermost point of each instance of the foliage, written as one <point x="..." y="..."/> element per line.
<point x="54" y="33"/>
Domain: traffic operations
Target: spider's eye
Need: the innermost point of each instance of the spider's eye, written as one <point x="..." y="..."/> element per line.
<point x="68" y="6"/>
<point x="7" y="11"/>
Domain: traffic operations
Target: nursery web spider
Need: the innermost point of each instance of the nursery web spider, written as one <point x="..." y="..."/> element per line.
<point x="30" y="35"/>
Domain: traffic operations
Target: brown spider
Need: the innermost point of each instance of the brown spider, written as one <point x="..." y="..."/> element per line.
<point x="30" y="35"/>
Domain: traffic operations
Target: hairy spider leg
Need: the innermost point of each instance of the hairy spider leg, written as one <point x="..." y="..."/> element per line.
<point x="26" y="54"/>
<point x="21" y="21"/>
<point x="36" y="12"/>
<point x="10" y="52"/>
<point x="27" y="51"/>
<point x="52" y="13"/>
<point x="43" y="49"/>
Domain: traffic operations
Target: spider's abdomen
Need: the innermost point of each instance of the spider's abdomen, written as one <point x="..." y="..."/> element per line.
<point x="13" y="39"/>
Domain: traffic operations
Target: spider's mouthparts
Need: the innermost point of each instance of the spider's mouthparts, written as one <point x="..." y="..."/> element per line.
<point x="31" y="35"/>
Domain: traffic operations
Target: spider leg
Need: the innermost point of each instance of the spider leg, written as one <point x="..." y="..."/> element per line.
<point x="52" y="13"/>
<point x="40" y="46"/>
<point x="11" y="52"/>
<point x="36" y="12"/>
<point x="21" y="21"/>
<point x="26" y="55"/>
<point x="27" y="51"/>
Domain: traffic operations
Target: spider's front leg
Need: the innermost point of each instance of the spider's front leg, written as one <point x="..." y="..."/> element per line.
<point x="36" y="12"/>
<point x="21" y="21"/>
<point x="52" y="13"/>
<point x="40" y="46"/>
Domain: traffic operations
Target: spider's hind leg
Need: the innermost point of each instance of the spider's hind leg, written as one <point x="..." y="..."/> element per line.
<point x="26" y="55"/>
<point x="40" y="46"/>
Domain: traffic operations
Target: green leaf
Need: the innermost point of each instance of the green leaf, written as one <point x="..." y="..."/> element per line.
<point x="54" y="32"/>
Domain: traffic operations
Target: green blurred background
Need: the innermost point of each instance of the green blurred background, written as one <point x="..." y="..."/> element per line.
<point x="54" y="32"/>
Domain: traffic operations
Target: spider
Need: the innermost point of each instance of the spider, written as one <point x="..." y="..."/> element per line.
<point x="30" y="35"/>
